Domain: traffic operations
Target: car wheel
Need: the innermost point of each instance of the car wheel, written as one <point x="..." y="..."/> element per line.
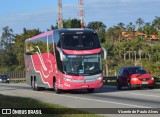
<point x="118" y="85"/>
<point x="90" y="90"/>
<point x="58" y="91"/>
<point x="139" y="87"/>
<point x="129" y="85"/>
<point x="151" y="87"/>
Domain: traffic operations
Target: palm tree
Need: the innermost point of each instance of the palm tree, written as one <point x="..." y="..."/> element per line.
<point x="121" y="25"/>
<point x="156" y="22"/>
<point x="130" y="27"/>
<point x="139" y="22"/>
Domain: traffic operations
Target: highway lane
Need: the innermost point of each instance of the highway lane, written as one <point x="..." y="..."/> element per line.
<point x="107" y="97"/>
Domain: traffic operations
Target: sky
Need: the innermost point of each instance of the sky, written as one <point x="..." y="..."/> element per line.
<point x="34" y="14"/>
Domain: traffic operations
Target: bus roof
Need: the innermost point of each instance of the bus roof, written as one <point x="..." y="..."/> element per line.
<point x="67" y="30"/>
<point x="63" y="30"/>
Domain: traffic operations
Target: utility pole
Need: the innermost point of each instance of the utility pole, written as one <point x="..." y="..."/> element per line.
<point x="60" y="17"/>
<point x="81" y="12"/>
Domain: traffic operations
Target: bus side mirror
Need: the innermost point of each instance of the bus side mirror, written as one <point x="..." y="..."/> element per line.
<point x="62" y="57"/>
<point x="29" y="53"/>
<point x="105" y="53"/>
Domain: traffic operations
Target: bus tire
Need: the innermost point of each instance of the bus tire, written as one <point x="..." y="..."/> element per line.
<point x="32" y="83"/>
<point x="36" y="88"/>
<point x="58" y="91"/>
<point x="90" y="90"/>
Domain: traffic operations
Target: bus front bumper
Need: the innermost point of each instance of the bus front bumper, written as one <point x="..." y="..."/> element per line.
<point x="81" y="85"/>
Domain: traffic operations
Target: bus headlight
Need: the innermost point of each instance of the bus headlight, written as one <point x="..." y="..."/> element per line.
<point x="67" y="79"/>
<point x="152" y="78"/>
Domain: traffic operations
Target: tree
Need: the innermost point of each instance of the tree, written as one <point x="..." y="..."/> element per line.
<point x="149" y="30"/>
<point x="121" y="25"/>
<point x="99" y="27"/>
<point x="7" y="36"/>
<point x="140" y="22"/>
<point x="130" y="27"/>
<point x="71" y="23"/>
<point x="96" y="25"/>
<point x="52" y="28"/>
<point x="156" y="23"/>
<point x="7" y="40"/>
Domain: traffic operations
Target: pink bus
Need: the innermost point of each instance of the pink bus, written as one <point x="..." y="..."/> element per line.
<point x="64" y="59"/>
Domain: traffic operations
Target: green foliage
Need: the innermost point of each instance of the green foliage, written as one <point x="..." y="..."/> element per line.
<point x="99" y="27"/>
<point x="71" y="23"/>
<point x="149" y="29"/>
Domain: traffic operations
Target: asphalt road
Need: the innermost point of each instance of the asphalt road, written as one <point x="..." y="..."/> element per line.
<point x="106" y="97"/>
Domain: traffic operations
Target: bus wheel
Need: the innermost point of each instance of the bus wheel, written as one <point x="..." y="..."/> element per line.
<point x="33" y="85"/>
<point x="58" y="91"/>
<point x="36" y="88"/>
<point x="90" y="90"/>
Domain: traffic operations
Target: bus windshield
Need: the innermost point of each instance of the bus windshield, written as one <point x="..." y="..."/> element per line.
<point x="82" y="65"/>
<point x="82" y="41"/>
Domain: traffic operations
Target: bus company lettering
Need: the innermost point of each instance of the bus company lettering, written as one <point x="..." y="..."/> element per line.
<point x="82" y="52"/>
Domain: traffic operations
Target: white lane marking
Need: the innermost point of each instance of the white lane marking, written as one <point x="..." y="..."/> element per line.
<point x="103" y="101"/>
<point x="144" y="95"/>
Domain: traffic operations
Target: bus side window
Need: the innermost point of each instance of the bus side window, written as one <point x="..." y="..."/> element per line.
<point x="29" y="48"/>
<point x="50" y="44"/>
<point x="59" y="44"/>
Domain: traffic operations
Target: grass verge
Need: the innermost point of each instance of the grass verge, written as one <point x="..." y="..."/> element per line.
<point x="28" y="103"/>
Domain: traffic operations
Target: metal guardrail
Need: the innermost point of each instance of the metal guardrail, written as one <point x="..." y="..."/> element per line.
<point x="112" y="79"/>
<point x="16" y="76"/>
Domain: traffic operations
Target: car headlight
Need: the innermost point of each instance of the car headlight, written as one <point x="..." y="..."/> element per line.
<point x="134" y="79"/>
<point x="152" y="78"/>
<point x="100" y="78"/>
<point x="67" y="79"/>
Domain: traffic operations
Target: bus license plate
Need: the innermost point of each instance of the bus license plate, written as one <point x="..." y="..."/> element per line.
<point x="144" y="82"/>
<point x="85" y="86"/>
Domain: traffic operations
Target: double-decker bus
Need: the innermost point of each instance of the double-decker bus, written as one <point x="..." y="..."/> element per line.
<point x="64" y="59"/>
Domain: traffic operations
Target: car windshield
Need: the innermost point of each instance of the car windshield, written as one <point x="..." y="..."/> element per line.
<point x="82" y="41"/>
<point x="137" y="70"/>
<point x="83" y="65"/>
<point x="3" y="77"/>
